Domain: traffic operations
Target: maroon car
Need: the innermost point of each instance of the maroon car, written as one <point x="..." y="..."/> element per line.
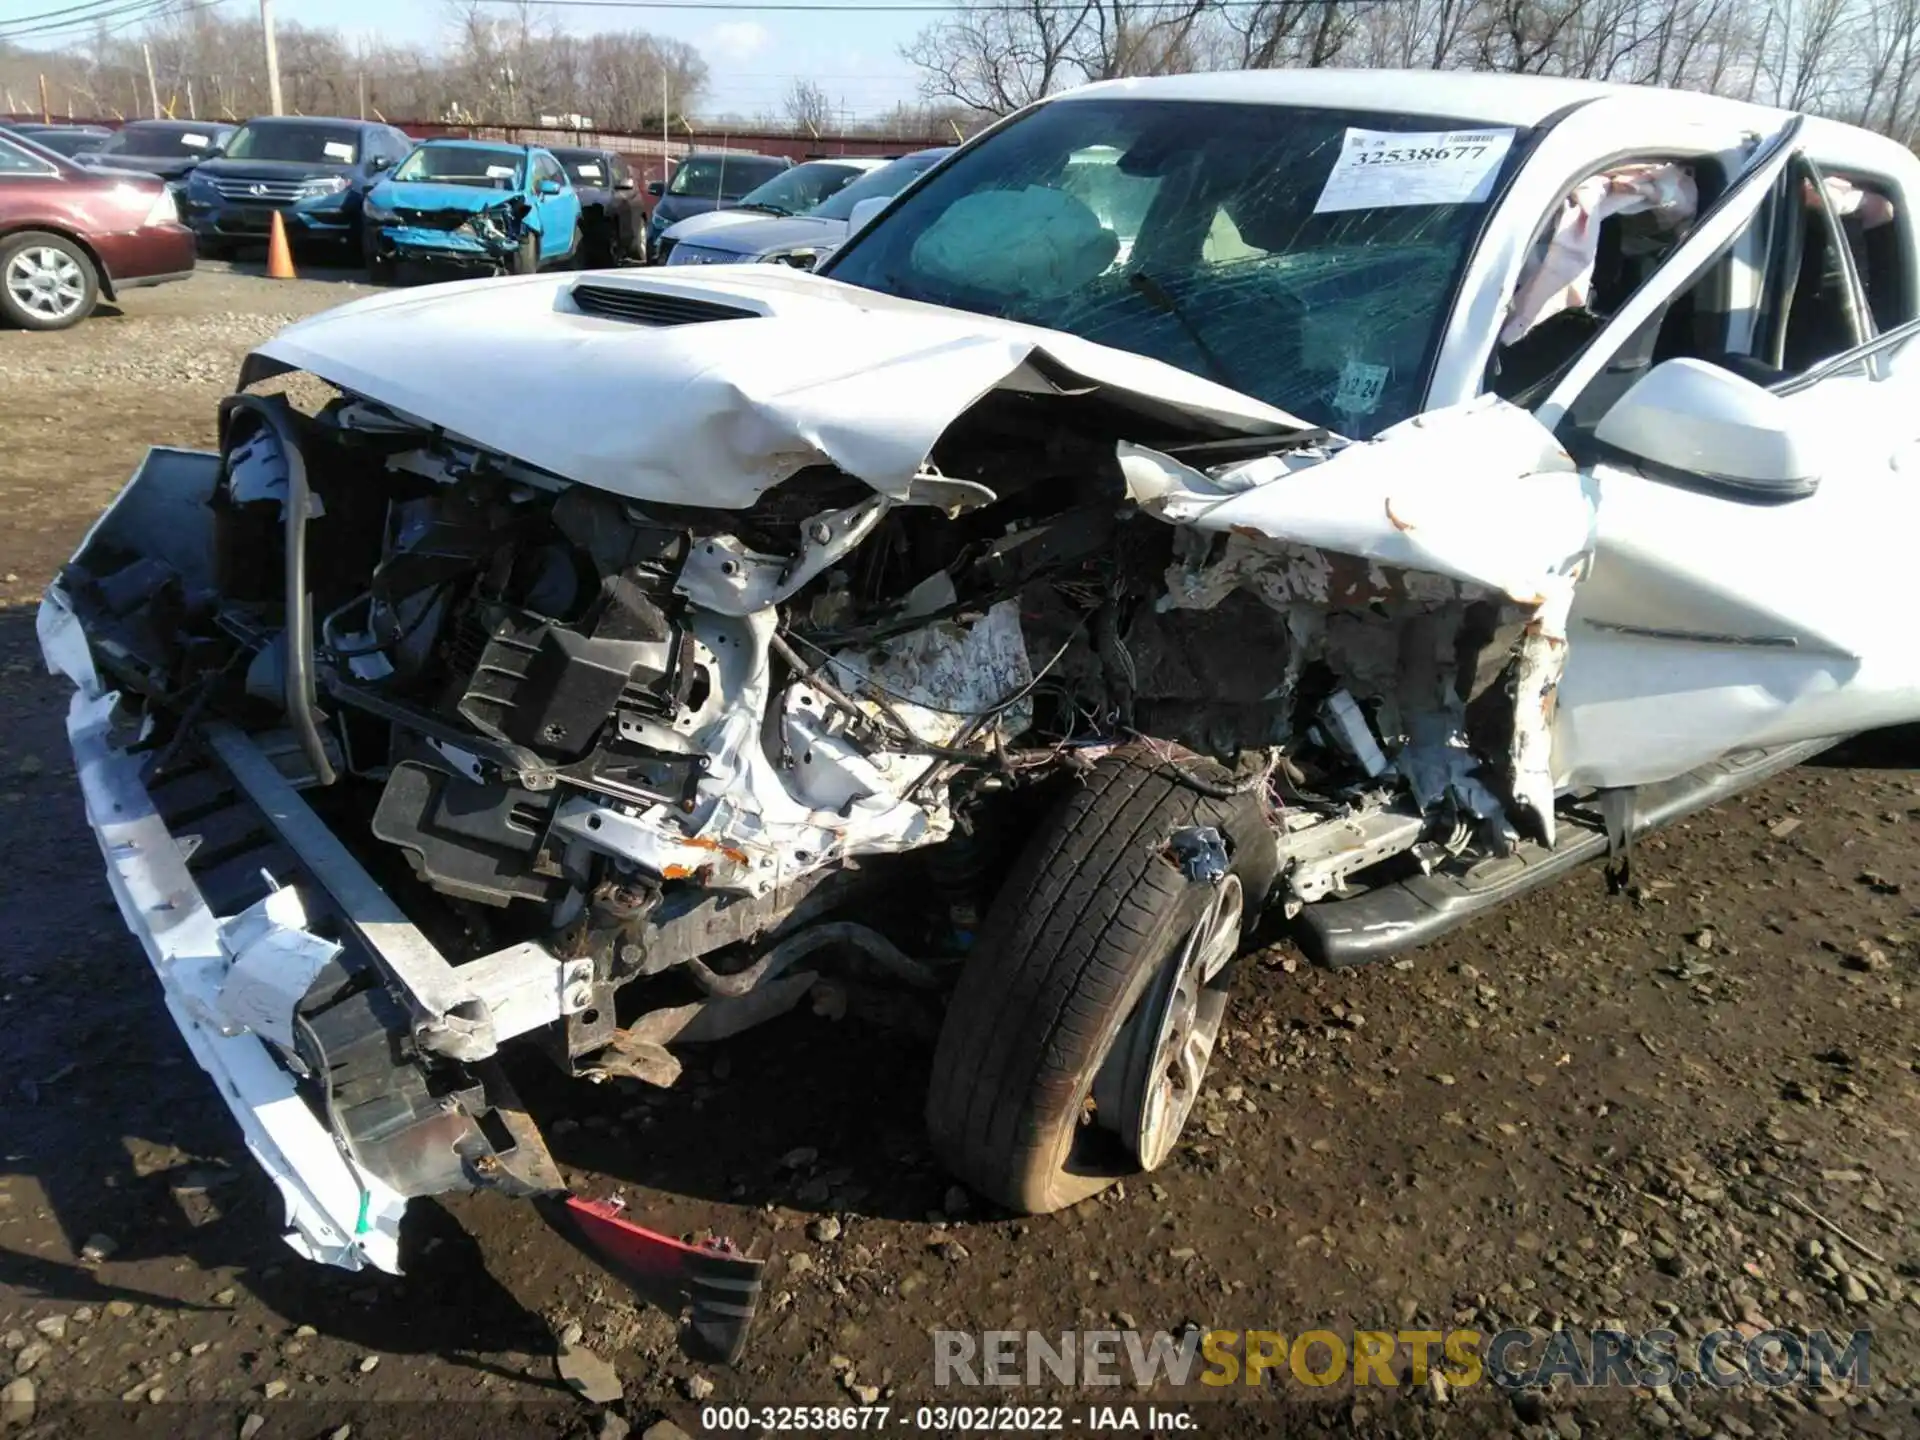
<point x="69" y="235"/>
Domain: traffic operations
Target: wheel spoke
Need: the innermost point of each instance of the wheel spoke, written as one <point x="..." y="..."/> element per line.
<point x="1192" y="1061"/>
<point x="1181" y="1017"/>
<point x="46" y="282"/>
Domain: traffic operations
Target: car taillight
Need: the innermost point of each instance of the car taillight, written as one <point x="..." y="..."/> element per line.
<point x="164" y="211"/>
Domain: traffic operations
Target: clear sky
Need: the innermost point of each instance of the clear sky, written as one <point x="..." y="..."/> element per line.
<point x="752" y="55"/>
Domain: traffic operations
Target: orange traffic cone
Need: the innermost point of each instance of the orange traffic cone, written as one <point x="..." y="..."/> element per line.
<point x="279" y="254"/>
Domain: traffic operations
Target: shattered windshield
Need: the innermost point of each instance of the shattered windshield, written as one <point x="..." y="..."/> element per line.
<point x="1305" y="257"/>
<point x="463" y="165"/>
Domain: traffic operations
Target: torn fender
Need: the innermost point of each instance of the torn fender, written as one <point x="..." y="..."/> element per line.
<point x="1481" y="493"/>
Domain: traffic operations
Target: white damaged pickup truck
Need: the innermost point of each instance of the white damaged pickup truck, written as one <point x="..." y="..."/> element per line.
<point x="1194" y="502"/>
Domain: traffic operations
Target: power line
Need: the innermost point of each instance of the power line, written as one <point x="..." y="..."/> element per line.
<point x="939" y="7"/>
<point x="120" y="7"/>
<point x="151" y="10"/>
<point x="55" y="14"/>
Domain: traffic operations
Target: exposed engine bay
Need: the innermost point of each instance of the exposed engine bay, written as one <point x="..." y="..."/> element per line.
<point x="543" y="695"/>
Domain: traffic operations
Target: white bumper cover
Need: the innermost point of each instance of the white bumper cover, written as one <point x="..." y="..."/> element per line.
<point x="217" y="978"/>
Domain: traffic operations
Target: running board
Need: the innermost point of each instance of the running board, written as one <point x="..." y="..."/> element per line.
<point x="1422" y="908"/>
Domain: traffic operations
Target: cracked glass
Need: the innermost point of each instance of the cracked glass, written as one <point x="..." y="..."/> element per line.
<point x="1187" y="231"/>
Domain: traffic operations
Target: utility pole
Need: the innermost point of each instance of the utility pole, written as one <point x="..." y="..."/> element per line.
<point x="363" y="94"/>
<point x="153" y="90"/>
<point x="666" y="134"/>
<point x="46" y="115"/>
<point x="273" y="58"/>
<point x="192" y="114"/>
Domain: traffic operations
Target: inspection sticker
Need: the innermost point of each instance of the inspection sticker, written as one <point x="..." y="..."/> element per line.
<point x="1361" y="386"/>
<point x="1413" y="167"/>
<point x="339" y="150"/>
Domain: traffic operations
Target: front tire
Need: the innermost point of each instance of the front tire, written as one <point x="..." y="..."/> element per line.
<point x="1080" y="1030"/>
<point x="46" y="281"/>
<point x="381" y="269"/>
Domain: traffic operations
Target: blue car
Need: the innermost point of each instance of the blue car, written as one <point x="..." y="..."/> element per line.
<point x="473" y="204"/>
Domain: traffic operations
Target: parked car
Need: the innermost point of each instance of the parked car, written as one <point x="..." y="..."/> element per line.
<point x="69" y="236"/>
<point x="315" y="171"/>
<point x="71" y="141"/>
<point x="798" y="191"/>
<point x="706" y="180"/>
<point x="612" y="222"/>
<point x="167" y="148"/>
<point x="507" y="209"/>
<point x="1462" y="476"/>
<point x="802" y="240"/>
<point x="33" y="129"/>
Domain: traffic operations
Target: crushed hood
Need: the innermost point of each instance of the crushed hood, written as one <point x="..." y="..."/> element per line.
<point x="794" y="370"/>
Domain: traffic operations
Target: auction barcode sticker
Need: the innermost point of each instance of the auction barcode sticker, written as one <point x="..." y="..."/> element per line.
<point x="1421" y="167"/>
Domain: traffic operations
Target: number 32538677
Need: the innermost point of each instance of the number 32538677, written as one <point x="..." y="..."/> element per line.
<point x="1437" y="154"/>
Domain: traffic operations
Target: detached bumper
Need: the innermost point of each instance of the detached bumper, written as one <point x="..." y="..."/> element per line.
<point x="356" y="1059"/>
<point x="336" y="1212"/>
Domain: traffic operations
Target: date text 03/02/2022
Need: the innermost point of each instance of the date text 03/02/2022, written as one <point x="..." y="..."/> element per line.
<point x="948" y="1419"/>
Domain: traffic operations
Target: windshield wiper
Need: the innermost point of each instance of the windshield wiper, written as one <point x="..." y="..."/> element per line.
<point x="764" y="208"/>
<point x="1156" y="295"/>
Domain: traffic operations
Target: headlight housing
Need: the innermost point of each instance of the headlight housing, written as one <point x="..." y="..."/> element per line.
<point x="685" y="254"/>
<point x="164" y="211"/>
<point x="324" y="185"/>
<point x="800" y="257"/>
<point x="373" y="210"/>
<point x="200" y="187"/>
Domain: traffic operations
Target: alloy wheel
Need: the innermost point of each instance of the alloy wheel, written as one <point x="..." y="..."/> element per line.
<point x="1147" y="1084"/>
<point x="46" y="282"/>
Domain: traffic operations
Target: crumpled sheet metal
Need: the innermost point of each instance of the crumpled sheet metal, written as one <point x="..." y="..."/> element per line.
<point x="1480" y="493"/>
<point x="760" y="823"/>
<point x="1560" y="274"/>
<point x="939" y="677"/>
<point x="717" y="413"/>
<point x="274" y="959"/>
<point x="1474" y="502"/>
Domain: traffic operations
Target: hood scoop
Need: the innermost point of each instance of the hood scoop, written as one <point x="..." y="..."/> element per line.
<point x="650" y="307"/>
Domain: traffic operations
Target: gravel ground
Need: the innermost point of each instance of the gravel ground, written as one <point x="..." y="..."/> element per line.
<point x="1663" y="1108"/>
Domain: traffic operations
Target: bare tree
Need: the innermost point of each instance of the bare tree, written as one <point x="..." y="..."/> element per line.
<point x="808" y="107"/>
<point x="995" y="59"/>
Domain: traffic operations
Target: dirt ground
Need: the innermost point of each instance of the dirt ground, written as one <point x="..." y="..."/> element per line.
<point x="1592" y="1109"/>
